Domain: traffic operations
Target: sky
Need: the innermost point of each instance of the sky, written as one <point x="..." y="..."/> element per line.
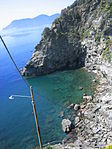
<point x="18" y="9"/>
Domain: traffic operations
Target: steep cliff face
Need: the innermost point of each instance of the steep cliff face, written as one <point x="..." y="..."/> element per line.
<point x="97" y="37"/>
<point x="69" y="43"/>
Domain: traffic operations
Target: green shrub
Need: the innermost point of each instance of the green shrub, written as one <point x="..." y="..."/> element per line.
<point x="49" y="147"/>
<point x="56" y="21"/>
<point x="108" y="6"/>
<point x="107" y="54"/>
<point x="96" y="37"/>
<point x="108" y="147"/>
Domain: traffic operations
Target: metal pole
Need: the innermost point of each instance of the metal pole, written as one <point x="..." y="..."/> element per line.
<point x="36" y="119"/>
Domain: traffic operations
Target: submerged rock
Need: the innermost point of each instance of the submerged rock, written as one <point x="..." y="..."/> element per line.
<point x="80" y="88"/>
<point x="61" y="114"/>
<point x="71" y="106"/>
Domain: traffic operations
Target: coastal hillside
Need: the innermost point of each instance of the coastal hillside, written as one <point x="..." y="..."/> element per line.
<point x="81" y="36"/>
<point x="31" y="22"/>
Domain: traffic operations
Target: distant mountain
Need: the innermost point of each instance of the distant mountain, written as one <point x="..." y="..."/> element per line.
<point x="32" y="22"/>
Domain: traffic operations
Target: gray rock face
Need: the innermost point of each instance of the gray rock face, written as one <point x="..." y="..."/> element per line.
<point x="77" y="38"/>
<point x="66" y="125"/>
<point x="54" y="53"/>
<point x="60" y="46"/>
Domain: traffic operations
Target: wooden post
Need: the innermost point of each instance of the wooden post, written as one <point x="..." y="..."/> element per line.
<point x="36" y="119"/>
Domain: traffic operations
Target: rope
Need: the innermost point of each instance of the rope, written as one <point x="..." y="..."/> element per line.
<point x="13" y="61"/>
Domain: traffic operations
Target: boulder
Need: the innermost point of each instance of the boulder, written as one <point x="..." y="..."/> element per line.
<point x="96" y="109"/>
<point x="84" y="94"/>
<point x="66" y="125"/>
<point x="82" y="106"/>
<point x="76" y="107"/>
<point x="89" y="98"/>
<point x="77" y="120"/>
<point x="79" y="114"/>
<point x="80" y="88"/>
<point x="71" y="106"/>
<point x="94" y="80"/>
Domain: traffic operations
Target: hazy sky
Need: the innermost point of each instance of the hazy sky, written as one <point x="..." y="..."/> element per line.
<point x="16" y="9"/>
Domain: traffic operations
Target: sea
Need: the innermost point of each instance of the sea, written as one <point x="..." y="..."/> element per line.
<point x="53" y="93"/>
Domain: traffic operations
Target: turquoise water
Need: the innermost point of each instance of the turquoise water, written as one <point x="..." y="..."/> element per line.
<point x="53" y="93"/>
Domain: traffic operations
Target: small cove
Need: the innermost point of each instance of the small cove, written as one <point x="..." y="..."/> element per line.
<point x="54" y="93"/>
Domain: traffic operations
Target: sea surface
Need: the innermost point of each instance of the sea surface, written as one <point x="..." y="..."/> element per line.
<point x="53" y="93"/>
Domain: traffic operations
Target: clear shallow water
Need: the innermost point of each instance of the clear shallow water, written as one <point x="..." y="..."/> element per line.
<point x="53" y="93"/>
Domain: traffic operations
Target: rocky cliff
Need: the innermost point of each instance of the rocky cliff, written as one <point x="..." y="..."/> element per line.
<point x="81" y="36"/>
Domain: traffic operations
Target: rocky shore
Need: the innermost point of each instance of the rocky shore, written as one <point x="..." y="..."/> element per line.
<point x="93" y="122"/>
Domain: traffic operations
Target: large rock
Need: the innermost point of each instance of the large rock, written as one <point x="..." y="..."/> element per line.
<point x="88" y="98"/>
<point x="54" y="52"/>
<point x="76" y="107"/>
<point x="77" y="120"/>
<point x="66" y="125"/>
<point x="60" y="46"/>
<point x="95" y="109"/>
